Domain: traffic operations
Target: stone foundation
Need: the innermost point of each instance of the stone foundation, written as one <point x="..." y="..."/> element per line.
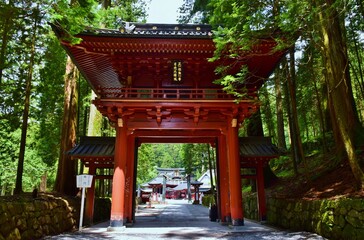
<point x="334" y="219"/>
<point x="27" y="218"/>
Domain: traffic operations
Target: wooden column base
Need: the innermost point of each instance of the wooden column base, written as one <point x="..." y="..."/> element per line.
<point x="237" y="222"/>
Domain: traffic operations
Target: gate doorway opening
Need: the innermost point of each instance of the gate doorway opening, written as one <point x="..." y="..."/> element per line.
<point x="168" y="170"/>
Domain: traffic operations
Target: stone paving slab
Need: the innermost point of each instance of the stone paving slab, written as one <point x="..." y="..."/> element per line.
<point x="179" y="219"/>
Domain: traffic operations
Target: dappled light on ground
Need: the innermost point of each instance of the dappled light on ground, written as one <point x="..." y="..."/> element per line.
<point x="179" y="219"/>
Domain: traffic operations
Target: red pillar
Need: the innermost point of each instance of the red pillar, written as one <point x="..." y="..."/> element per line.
<point x="118" y="184"/>
<point x="224" y="203"/>
<point x="262" y="210"/>
<point x="129" y="184"/>
<point x="90" y="197"/>
<point x="236" y="202"/>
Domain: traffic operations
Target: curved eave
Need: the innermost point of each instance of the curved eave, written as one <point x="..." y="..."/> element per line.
<point x="107" y="57"/>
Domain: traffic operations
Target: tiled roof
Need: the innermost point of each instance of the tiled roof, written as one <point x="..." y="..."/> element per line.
<point x="165" y="170"/>
<point x="94" y="147"/>
<point x="103" y="147"/>
<point x="156" y="30"/>
<point x="257" y="147"/>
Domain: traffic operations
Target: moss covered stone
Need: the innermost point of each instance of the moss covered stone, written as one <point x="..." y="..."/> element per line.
<point x="4" y="217"/>
<point x="14" y="235"/>
<point x="339" y="221"/>
<point x="355" y="222"/>
<point x="357" y="204"/>
<point x="349" y="232"/>
<point x="334" y="219"/>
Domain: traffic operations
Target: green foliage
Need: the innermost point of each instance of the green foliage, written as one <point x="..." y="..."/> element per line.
<point x="192" y="157"/>
<point x="35" y="166"/>
<point x="50" y="102"/>
<point x="128" y="11"/>
<point x="208" y="200"/>
<point x="146" y="165"/>
<point x="9" y="141"/>
<point x="282" y="166"/>
<point x="44" y="125"/>
<point x="167" y="155"/>
<point x="195" y="159"/>
<point x="232" y="83"/>
<point x="73" y="17"/>
<point x="194" y="11"/>
<point x="247" y="189"/>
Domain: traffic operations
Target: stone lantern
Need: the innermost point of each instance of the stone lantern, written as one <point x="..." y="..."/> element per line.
<point x="196" y="185"/>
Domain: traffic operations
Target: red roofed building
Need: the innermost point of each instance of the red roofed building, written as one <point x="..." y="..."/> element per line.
<point x="155" y="85"/>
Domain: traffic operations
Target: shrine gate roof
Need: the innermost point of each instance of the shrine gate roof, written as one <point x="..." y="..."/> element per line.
<point x="257" y="147"/>
<point x="91" y="148"/>
<point x="144" y="56"/>
<point x="95" y="148"/>
<point x="150" y="30"/>
<point x="257" y="151"/>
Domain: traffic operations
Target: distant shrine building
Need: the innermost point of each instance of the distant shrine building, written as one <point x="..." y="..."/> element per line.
<point x="155" y="85"/>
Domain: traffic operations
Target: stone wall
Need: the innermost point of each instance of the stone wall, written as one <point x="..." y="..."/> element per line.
<point x="32" y="218"/>
<point x="334" y="219"/>
<point x="27" y="218"/>
<point x="250" y="206"/>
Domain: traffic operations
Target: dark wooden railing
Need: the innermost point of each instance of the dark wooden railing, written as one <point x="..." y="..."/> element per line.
<point x="164" y="93"/>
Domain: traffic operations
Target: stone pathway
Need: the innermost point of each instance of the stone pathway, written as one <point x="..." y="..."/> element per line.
<point x="179" y="219"/>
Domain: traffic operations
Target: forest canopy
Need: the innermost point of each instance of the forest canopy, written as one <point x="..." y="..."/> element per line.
<point x="312" y="103"/>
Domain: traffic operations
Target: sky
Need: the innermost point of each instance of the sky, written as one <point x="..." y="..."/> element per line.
<point x="163" y="11"/>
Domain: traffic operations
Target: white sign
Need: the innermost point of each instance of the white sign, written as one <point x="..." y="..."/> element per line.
<point x="84" y="181"/>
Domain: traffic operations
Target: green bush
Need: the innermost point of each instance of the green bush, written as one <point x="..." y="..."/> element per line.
<point x="208" y="200"/>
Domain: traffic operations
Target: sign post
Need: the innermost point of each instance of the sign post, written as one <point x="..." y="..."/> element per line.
<point x="83" y="181"/>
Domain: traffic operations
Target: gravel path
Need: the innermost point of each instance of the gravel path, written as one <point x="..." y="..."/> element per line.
<point x="179" y="219"/>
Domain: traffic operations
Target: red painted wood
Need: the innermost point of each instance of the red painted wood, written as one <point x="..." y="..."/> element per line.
<point x="133" y="81"/>
<point x="171" y="134"/>
<point x="223" y="178"/>
<point x="130" y="178"/>
<point x="210" y="140"/>
<point x="147" y="60"/>
<point x="236" y="207"/>
<point x="118" y="188"/>
<point x="90" y="197"/>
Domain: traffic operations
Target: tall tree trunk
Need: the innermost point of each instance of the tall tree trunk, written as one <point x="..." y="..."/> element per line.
<point x="66" y="174"/>
<point x="19" y="174"/>
<point x="320" y="113"/>
<point x="300" y="156"/>
<point x="358" y="73"/>
<point x="106" y="4"/>
<point x="255" y="126"/>
<point x="320" y="98"/>
<point x="289" y="113"/>
<point x="268" y="112"/>
<point x="95" y="119"/>
<point x="4" y="41"/>
<point x="339" y="83"/>
<point x="281" y="143"/>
